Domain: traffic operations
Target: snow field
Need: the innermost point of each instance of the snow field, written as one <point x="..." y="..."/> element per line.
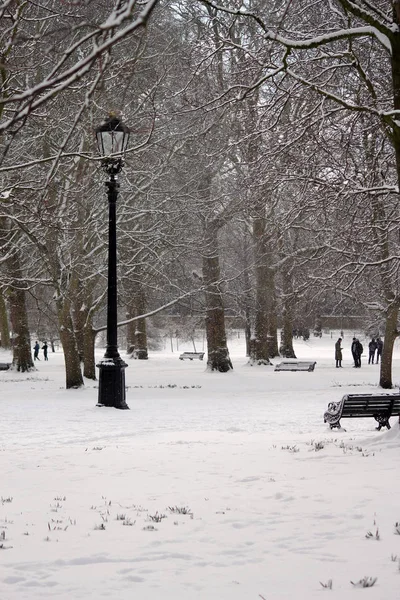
<point x="213" y="486"/>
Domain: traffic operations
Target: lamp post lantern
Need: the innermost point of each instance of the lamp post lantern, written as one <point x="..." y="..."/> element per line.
<point x="112" y="140"/>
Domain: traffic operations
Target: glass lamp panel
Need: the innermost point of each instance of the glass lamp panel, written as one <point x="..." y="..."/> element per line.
<point x="117" y="142"/>
<point x="100" y="146"/>
<point x="112" y="138"/>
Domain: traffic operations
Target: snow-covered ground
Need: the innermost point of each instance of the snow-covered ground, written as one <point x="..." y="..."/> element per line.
<point x="213" y="486"/>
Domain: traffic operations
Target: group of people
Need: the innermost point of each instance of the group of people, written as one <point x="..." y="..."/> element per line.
<point x="36" y="349"/>
<point x="375" y="346"/>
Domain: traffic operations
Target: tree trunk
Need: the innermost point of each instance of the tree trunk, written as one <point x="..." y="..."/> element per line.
<point x="22" y="351"/>
<point x="140" y="330"/>
<point x="391" y="333"/>
<point x="272" y="318"/>
<point x="89" y="359"/>
<point x="247" y="332"/>
<point x="218" y="354"/>
<point x="80" y="312"/>
<point x="260" y="350"/>
<point x="73" y="372"/>
<point x="131" y="327"/>
<point x="4" y="327"/>
<point x="136" y="331"/>
<point x="286" y="347"/>
<point x="393" y="308"/>
<point x="83" y="328"/>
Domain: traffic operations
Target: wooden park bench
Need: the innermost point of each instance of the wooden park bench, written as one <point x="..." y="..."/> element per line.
<point x="191" y="355"/>
<point x="5" y="366"/>
<point x="379" y="406"/>
<point x="299" y="365"/>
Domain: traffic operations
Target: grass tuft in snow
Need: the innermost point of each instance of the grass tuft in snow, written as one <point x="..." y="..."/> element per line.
<point x="180" y="510"/>
<point x="3" y="547"/>
<point x="327" y="585"/>
<point x="370" y="536"/>
<point x="157" y="518"/>
<point x="365" y="582"/>
<point x="292" y="449"/>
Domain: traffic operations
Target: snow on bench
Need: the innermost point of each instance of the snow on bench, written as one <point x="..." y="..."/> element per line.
<point x="191" y="355"/>
<point x="298" y="365"/>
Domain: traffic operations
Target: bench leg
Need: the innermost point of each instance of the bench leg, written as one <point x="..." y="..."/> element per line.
<point x="383" y="421"/>
<point x="337" y="425"/>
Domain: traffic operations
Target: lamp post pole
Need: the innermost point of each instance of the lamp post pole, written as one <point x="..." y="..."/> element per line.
<point x="111" y="367"/>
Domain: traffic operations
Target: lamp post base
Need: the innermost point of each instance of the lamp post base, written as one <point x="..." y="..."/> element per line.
<point x="112" y="383"/>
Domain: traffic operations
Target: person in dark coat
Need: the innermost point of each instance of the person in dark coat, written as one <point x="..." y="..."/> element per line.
<point x="338" y="353"/>
<point x="379" y="348"/>
<point x="356" y="350"/>
<point x="36" y="349"/>
<point x="372" y="348"/>
<point x="44" y="348"/>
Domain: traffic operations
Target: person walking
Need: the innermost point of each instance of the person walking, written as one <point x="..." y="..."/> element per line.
<point x="379" y="348"/>
<point x="338" y="353"/>
<point x="36" y="349"/>
<point x="372" y="348"/>
<point x="356" y="350"/>
<point x="44" y="348"/>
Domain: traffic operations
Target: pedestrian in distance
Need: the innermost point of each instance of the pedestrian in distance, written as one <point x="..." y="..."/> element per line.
<point x="379" y="348"/>
<point x="372" y="346"/>
<point x="44" y="348"/>
<point x="356" y="350"/>
<point x="338" y="353"/>
<point x="36" y="349"/>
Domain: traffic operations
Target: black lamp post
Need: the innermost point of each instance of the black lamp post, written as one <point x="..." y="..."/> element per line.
<point x="112" y="140"/>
